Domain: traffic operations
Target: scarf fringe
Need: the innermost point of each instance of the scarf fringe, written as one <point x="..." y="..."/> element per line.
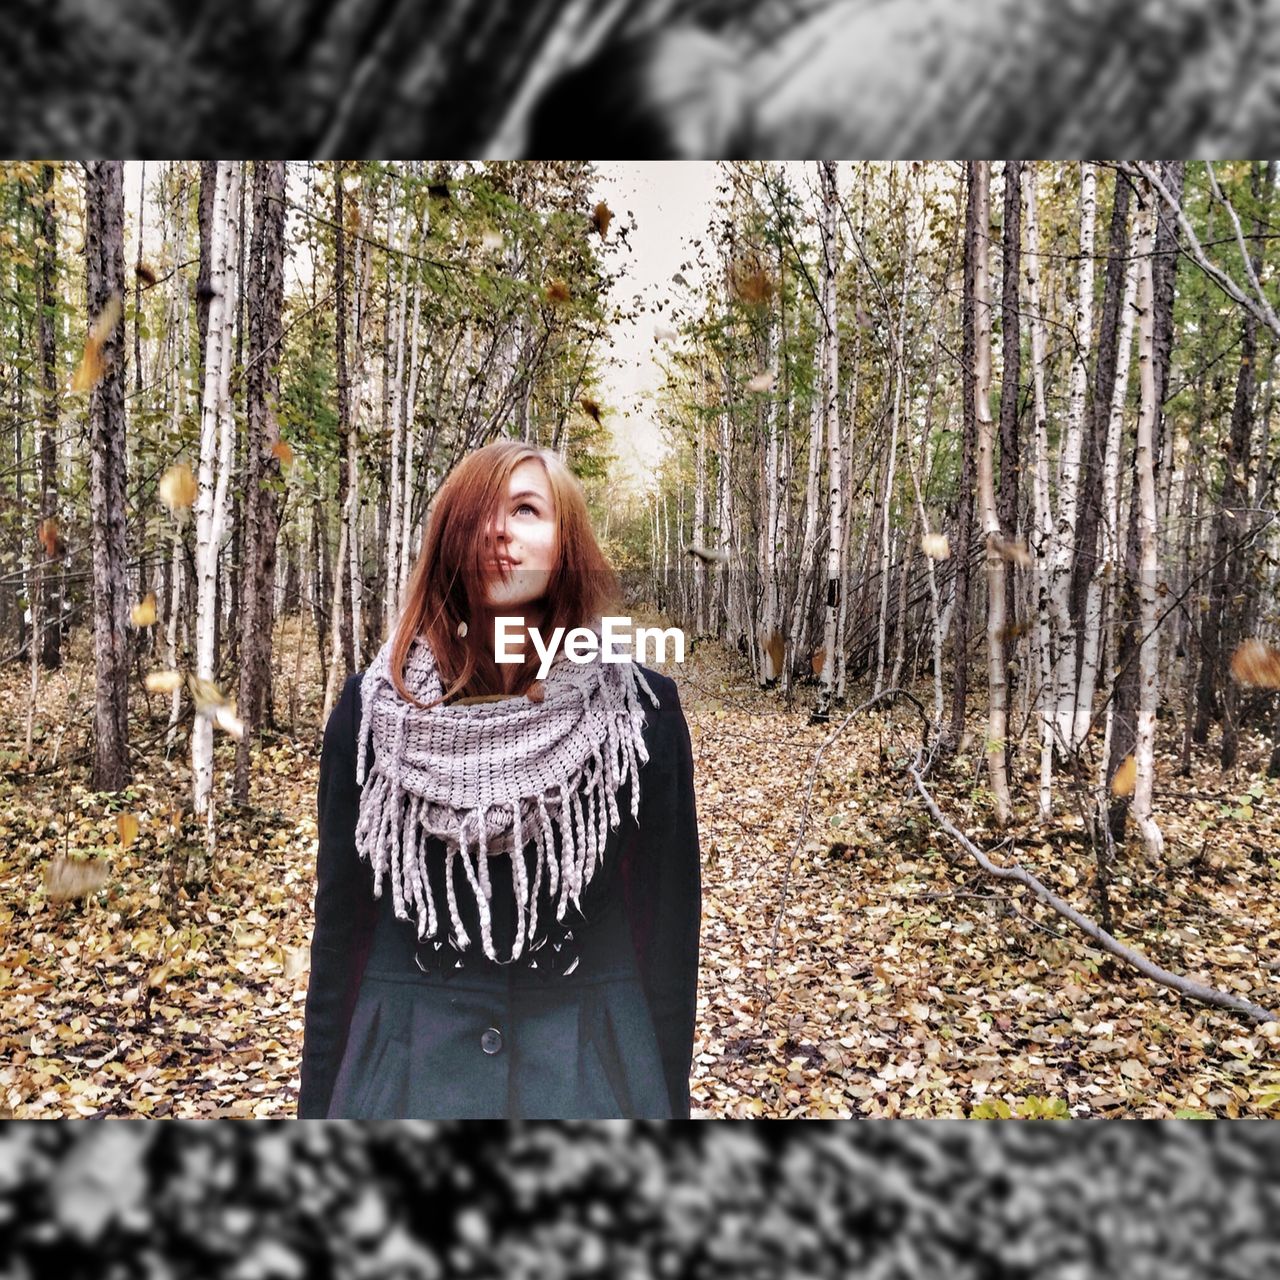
<point x="392" y="831"/>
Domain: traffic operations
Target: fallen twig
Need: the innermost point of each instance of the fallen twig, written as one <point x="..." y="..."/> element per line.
<point x="1176" y="982"/>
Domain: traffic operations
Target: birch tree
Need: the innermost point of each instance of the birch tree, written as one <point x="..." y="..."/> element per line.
<point x="997" y="687"/>
<point x="104" y="288"/>
<point x="1148" y="668"/>
<point x="1063" y="547"/>
<point x="835" y="468"/>
<point x="217" y="437"/>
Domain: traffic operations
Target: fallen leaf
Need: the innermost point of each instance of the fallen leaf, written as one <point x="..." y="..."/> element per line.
<point x="127" y="828"/>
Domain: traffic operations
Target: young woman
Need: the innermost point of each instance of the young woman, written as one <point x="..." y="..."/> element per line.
<point x="508" y="889"/>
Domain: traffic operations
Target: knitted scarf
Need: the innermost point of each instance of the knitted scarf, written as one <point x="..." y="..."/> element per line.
<point x="487" y="778"/>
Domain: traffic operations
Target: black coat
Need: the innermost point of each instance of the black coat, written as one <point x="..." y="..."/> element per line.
<point x="654" y="885"/>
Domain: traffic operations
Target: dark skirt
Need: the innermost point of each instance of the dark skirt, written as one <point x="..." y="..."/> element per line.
<point x="503" y="1041"/>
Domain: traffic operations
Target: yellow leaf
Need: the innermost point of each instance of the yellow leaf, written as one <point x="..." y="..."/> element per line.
<point x="601" y="216"/>
<point x="935" y="546"/>
<point x="178" y="488"/>
<point x="225" y="719"/>
<point x="282" y="451"/>
<point x="761" y="382"/>
<point x="1125" y="777"/>
<point x="92" y="367"/>
<point x="143" y="614"/>
<point x="162" y="681"/>
<point x="127" y="826"/>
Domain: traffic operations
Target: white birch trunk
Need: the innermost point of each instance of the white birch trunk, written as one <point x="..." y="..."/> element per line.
<point x="771" y="627"/>
<point x="1148" y="657"/>
<point x="217" y="435"/>
<point x="997" y="681"/>
<point x="1063" y="551"/>
<point x="1101" y="591"/>
<point x="395" y="517"/>
<point x="835" y="468"/>
<point x="898" y="376"/>
<point x="804" y="565"/>
<point x="1042" y="539"/>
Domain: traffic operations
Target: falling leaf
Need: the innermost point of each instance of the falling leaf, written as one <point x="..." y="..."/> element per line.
<point x="775" y="648"/>
<point x="92" y="367"/>
<point x="225" y="718"/>
<point x="127" y="828"/>
<point x="601" y="216"/>
<point x="537" y="692"/>
<point x="162" y="681"/>
<point x="145" y="274"/>
<point x="936" y="546"/>
<point x="462" y="630"/>
<point x="557" y="291"/>
<point x="66" y="879"/>
<point x="1257" y="663"/>
<point x="590" y="407"/>
<point x="143" y="614"/>
<point x="492" y="241"/>
<point x="762" y="382"/>
<point x="1014" y="631"/>
<point x="206" y="695"/>
<point x="1015" y="552"/>
<point x="1125" y="777"/>
<point x="708" y="555"/>
<point x="664" y="333"/>
<point x="818" y="661"/>
<point x="751" y="283"/>
<point x="281" y="451"/>
<point x="178" y="488"/>
<point x="49" y="538"/>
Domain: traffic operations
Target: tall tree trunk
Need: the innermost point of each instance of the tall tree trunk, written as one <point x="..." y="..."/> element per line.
<point x="51" y="567"/>
<point x="104" y="278"/>
<point x="261" y="506"/>
<point x="1149" y="564"/>
<point x="1084" y="569"/>
<point x="964" y="515"/>
<point x="997" y="685"/>
<point x="1099" y="597"/>
<point x="835" y="468"/>
<point x="217" y="431"/>
<point x="1011" y="376"/>
<point x="1239" y="593"/>
<point x="1125" y="723"/>
<point x="1063" y="554"/>
<point x="1042" y="539"/>
<point x="342" y="595"/>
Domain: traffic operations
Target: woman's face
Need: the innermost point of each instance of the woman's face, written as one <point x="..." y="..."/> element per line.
<point x="524" y="535"/>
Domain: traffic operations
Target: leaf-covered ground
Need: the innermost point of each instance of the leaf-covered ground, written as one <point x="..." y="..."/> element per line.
<point x="902" y="983"/>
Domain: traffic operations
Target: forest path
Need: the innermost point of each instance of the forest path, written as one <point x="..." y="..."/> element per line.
<point x="902" y="984"/>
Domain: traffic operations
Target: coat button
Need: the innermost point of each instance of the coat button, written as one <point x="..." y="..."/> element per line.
<point x="491" y="1041"/>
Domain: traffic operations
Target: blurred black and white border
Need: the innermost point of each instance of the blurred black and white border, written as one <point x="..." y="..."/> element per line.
<point x="621" y="1199"/>
<point x="869" y="79"/>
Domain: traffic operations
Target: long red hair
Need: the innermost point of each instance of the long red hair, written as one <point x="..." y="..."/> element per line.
<point x="447" y="586"/>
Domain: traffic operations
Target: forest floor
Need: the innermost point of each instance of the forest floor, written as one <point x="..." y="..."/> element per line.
<point x="903" y="983"/>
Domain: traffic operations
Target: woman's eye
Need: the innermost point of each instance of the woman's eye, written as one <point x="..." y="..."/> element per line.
<point x="524" y="506"/>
